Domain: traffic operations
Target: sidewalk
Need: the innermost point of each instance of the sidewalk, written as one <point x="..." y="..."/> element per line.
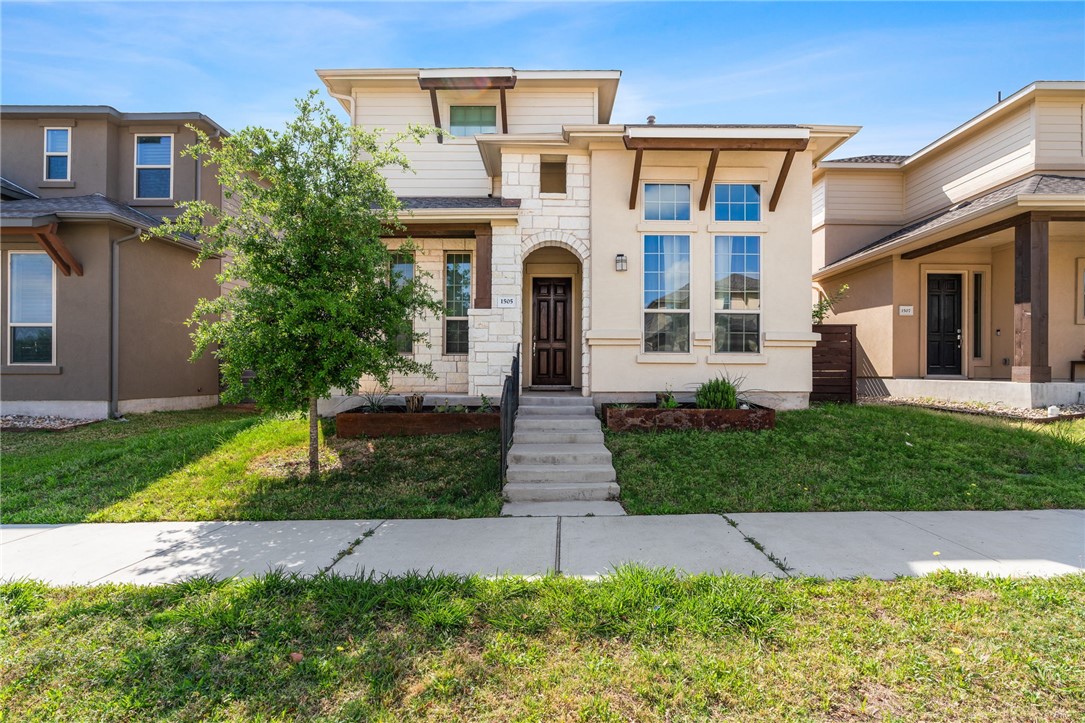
<point x="826" y="544"/>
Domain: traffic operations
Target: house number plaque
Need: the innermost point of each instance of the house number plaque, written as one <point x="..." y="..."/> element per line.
<point x="506" y="302"/>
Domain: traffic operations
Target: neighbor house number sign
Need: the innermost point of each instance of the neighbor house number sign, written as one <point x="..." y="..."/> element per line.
<point x="506" y="302"/>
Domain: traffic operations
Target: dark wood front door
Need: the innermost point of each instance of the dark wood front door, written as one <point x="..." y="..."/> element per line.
<point x="944" y="324"/>
<point x="550" y="346"/>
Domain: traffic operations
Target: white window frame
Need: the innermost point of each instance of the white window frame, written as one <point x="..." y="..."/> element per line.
<point x="760" y="312"/>
<point x="444" y="299"/>
<point x="136" y="165"/>
<point x="644" y="310"/>
<point x="11" y="325"/>
<point x="47" y="154"/>
<point x="397" y="254"/>
<point x="644" y="203"/>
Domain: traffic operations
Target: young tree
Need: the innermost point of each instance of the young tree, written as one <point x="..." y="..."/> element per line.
<point x="315" y="308"/>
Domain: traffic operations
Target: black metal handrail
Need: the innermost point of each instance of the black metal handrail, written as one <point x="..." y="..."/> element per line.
<point x="510" y="402"/>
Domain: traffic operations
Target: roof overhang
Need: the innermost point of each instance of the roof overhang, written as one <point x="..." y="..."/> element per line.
<point x="110" y="113"/>
<point x="985" y="221"/>
<point x="46" y="236"/>
<point x="459" y="214"/>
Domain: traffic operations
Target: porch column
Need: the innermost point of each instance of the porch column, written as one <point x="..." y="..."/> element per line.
<point x="1030" y="291"/>
<point x="484" y="266"/>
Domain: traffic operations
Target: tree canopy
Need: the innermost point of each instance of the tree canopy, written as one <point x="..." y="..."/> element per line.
<point x="300" y="233"/>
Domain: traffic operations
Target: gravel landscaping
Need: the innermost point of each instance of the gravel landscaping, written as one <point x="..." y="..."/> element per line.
<point x="21" y="422"/>
<point x="1066" y="411"/>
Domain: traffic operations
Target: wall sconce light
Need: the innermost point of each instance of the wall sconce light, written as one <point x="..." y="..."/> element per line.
<point x="621" y="263"/>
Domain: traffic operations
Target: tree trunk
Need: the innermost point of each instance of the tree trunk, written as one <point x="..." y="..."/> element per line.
<point x="314" y="439"/>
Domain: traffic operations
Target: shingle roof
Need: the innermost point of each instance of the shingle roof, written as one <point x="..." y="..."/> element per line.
<point x="91" y="206"/>
<point x="413" y="202"/>
<point x="869" y="159"/>
<point x="1036" y="184"/>
<point x="14" y="189"/>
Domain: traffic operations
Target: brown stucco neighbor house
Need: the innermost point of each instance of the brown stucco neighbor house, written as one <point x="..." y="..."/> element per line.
<point x="624" y="259"/>
<point x="966" y="259"/>
<point x="93" y="318"/>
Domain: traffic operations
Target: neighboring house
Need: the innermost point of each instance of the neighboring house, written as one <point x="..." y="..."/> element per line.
<point x="93" y="318"/>
<point x="625" y="259"/>
<point x="966" y="259"/>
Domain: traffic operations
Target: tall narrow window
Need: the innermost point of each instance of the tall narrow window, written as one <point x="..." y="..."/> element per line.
<point x="737" y="297"/>
<point x="666" y="294"/>
<point x="666" y="201"/>
<point x="31" y="318"/>
<point x="154" y="166"/>
<point x="457" y="302"/>
<point x="471" y="120"/>
<point x="402" y="274"/>
<point x="738" y="202"/>
<point x="977" y="316"/>
<point x="58" y="154"/>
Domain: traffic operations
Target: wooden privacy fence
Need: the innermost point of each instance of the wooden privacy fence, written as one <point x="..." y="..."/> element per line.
<point x="835" y="363"/>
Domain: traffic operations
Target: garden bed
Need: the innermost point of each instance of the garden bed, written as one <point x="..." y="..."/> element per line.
<point x="714" y="420"/>
<point x="400" y="424"/>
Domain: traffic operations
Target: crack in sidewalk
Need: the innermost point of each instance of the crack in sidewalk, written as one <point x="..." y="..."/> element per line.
<point x="349" y="549"/>
<point x="778" y="562"/>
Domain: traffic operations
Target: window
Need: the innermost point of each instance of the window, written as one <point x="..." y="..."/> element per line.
<point x="154" y="166"/>
<point x="736" y="303"/>
<point x="457" y="301"/>
<point x="977" y="316"/>
<point x="470" y="120"/>
<point x="30" y="307"/>
<point x="738" y="202"/>
<point x="58" y="154"/>
<point x="552" y="175"/>
<point x="402" y="274"/>
<point x="666" y="201"/>
<point x="666" y="294"/>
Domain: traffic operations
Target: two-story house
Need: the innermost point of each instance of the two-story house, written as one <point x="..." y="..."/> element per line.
<point x="966" y="259"/>
<point x="93" y="318"/>
<point x="626" y="259"/>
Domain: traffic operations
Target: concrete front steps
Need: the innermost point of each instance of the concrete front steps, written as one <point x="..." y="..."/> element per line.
<point x="557" y="452"/>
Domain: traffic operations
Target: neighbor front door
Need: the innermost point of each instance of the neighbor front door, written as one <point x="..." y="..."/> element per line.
<point x="550" y="344"/>
<point x="944" y="324"/>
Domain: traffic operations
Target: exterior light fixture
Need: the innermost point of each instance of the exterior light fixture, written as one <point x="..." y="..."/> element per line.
<point x="621" y="263"/>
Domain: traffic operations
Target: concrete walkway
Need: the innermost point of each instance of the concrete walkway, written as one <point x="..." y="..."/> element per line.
<point x="830" y="544"/>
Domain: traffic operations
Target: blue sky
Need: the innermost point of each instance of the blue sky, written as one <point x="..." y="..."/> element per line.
<point x="907" y="72"/>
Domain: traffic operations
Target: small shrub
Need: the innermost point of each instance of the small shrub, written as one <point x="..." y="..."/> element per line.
<point x="826" y="304"/>
<point x="718" y="393"/>
<point x="375" y="401"/>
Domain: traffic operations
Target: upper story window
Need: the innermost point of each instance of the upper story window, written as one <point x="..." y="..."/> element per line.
<point x="58" y="154"/>
<point x="402" y="274"/>
<point x="31" y="317"/>
<point x="666" y="201"/>
<point x="470" y="120"/>
<point x="457" y="302"/>
<point x="154" y="166"/>
<point x="666" y="294"/>
<point x="738" y="202"/>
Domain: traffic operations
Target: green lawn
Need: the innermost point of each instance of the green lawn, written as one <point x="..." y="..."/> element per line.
<point x="230" y="465"/>
<point x="837" y="457"/>
<point x="643" y="645"/>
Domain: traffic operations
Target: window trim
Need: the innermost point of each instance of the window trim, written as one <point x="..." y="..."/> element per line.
<point x="12" y="324"/>
<point x="644" y="203"/>
<point x="471" y="136"/>
<point x="760" y="202"/>
<point x="444" y="298"/>
<point x="644" y="310"/>
<point x="136" y="165"/>
<point x="47" y="154"/>
<point x="760" y="313"/>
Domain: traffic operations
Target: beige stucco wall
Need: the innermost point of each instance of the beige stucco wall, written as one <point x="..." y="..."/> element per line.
<point x="616" y="330"/>
<point x="869" y="305"/>
<point x="82" y="324"/>
<point x="1066" y="341"/>
<point x="159" y="289"/>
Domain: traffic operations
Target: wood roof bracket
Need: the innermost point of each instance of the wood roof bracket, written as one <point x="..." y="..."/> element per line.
<point x="778" y="189"/>
<point x="635" y="186"/>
